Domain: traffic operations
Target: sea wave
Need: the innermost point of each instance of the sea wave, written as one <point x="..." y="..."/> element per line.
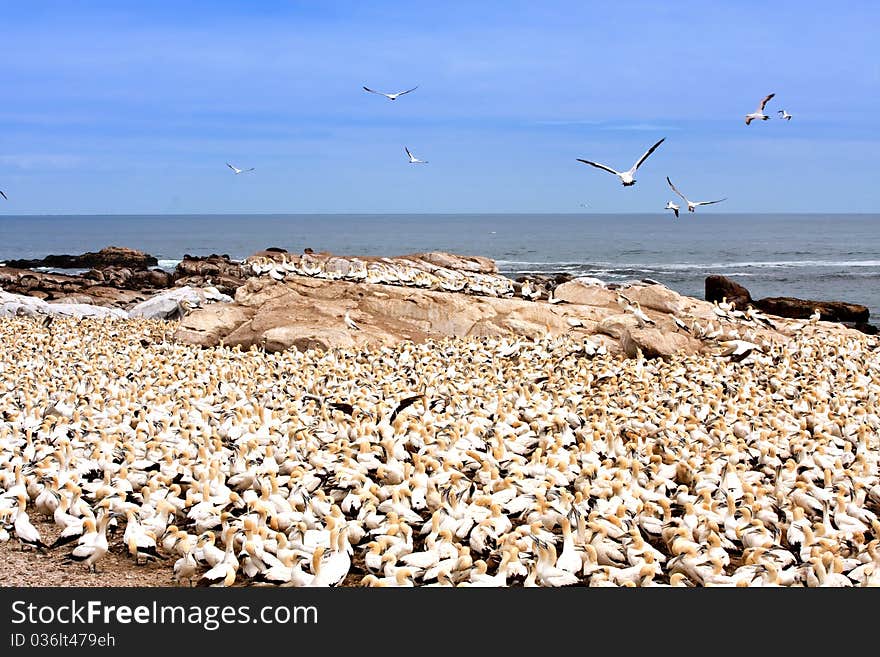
<point x="170" y="265"/>
<point x="683" y="266"/>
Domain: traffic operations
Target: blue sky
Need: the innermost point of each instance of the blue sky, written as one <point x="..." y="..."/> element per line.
<point x="112" y="107"/>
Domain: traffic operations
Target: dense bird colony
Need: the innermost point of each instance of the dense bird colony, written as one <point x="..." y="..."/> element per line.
<point x="482" y="462"/>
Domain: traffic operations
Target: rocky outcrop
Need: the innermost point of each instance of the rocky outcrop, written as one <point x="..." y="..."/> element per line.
<point x="219" y="271"/>
<point x="111" y="256"/>
<point x="853" y="315"/>
<point x="720" y="287"/>
<point x="304" y="313"/>
<point x="127" y="278"/>
<point x="174" y="304"/>
<point x="476" y="264"/>
<point x="830" y="311"/>
<point x="307" y="312"/>
<point x="56" y="287"/>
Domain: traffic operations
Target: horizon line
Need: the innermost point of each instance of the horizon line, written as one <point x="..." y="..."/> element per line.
<point x="402" y="212"/>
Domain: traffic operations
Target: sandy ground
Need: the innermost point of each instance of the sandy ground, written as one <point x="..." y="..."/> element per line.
<point x="32" y="567"/>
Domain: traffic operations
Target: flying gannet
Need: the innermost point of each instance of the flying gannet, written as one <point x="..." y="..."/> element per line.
<point x="237" y="170"/>
<point x="412" y="158"/>
<point x="391" y="96"/>
<point x="759" y="113"/>
<point x="626" y="177"/>
<point x="692" y="205"/>
<point x="784" y="115"/>
<point x="672" y="206"/>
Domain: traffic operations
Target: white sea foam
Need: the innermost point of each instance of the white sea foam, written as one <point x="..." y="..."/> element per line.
<point x="676" y="266"/>
<point x="170" y="265"/>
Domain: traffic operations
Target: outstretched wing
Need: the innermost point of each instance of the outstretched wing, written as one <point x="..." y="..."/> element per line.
<point x="3" y="195"/>
<point x="764" y="102"/>
<point x="231" y="167"/>
<point x="676" y="190"/>
<point x="710" y="202"/>
<point x="647" y="153"/>
<point x="373" y="92"/>
<point x="246" y="170"/>
<point x="410" y="155"/>
<point x="599" y="166"/>
<point x="407" y="91"/>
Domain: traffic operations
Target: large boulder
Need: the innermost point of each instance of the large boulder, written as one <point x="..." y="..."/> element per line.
<point x="586" y="293"/>
<point x="617" y="326"/>
<point x="656" y="297"/>
<point x="830" y="311"/>
<point x="220" y="271"/>
<point x="111" y="256"/>
<point x="212" y="324"/>
<point x="720" y="287"/>
<point x="176" y="302"/>
<point x="451" y="261"/>
<point x="654" y="343"/>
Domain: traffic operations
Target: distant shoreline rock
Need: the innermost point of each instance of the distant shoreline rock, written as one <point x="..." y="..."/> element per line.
<point x="111" y="256"/>
<point x="853" y="315"/>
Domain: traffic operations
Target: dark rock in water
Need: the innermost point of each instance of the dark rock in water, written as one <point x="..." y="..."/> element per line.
<point x="276" y="249"/>
<point x="111" y="256"/>
<point x="868" y="329"/>
<point x="218" y="270"/>
<point x="830" y="311"/>
<point x="547" y="281"/>
<point x="718" y="287"/>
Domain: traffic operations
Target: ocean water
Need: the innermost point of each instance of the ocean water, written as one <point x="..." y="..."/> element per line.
<point x="814" y="256"/>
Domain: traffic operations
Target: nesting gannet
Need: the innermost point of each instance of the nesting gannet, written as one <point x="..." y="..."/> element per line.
<point x="692" y="205"/>
<point x="237" y="171"/>
<point x="626" y="177"/>
<point x="92" y="545"/>
<point x="394" y="96"/>
<point x="412" y="158"/>
<point x="672" y="206"/>
<point x="26" y="533"/>
<point x="737" y="349"/>
<point x="759" y="113"/>
<point x="784" y="115"/>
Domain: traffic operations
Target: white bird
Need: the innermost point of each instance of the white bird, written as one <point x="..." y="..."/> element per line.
<point x="672" y="206"/>
<point x="692" y="205"/>
<point x="412" y="158"/>
<point x="626" y="177"/>
<point x="25" y="531"/>
<point x="640" y="314"/>
<point x="185" y="568"/>
<point x="92" y="545"/>
<point x="391" y="96"/>
<point x="237" y="170"/>
<point x="759" y="113"/>
<point x="738" y="347"/>
<point x="784" y="115"/>
<point x="349" y="322"/>
<point x="816" y="316"/>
